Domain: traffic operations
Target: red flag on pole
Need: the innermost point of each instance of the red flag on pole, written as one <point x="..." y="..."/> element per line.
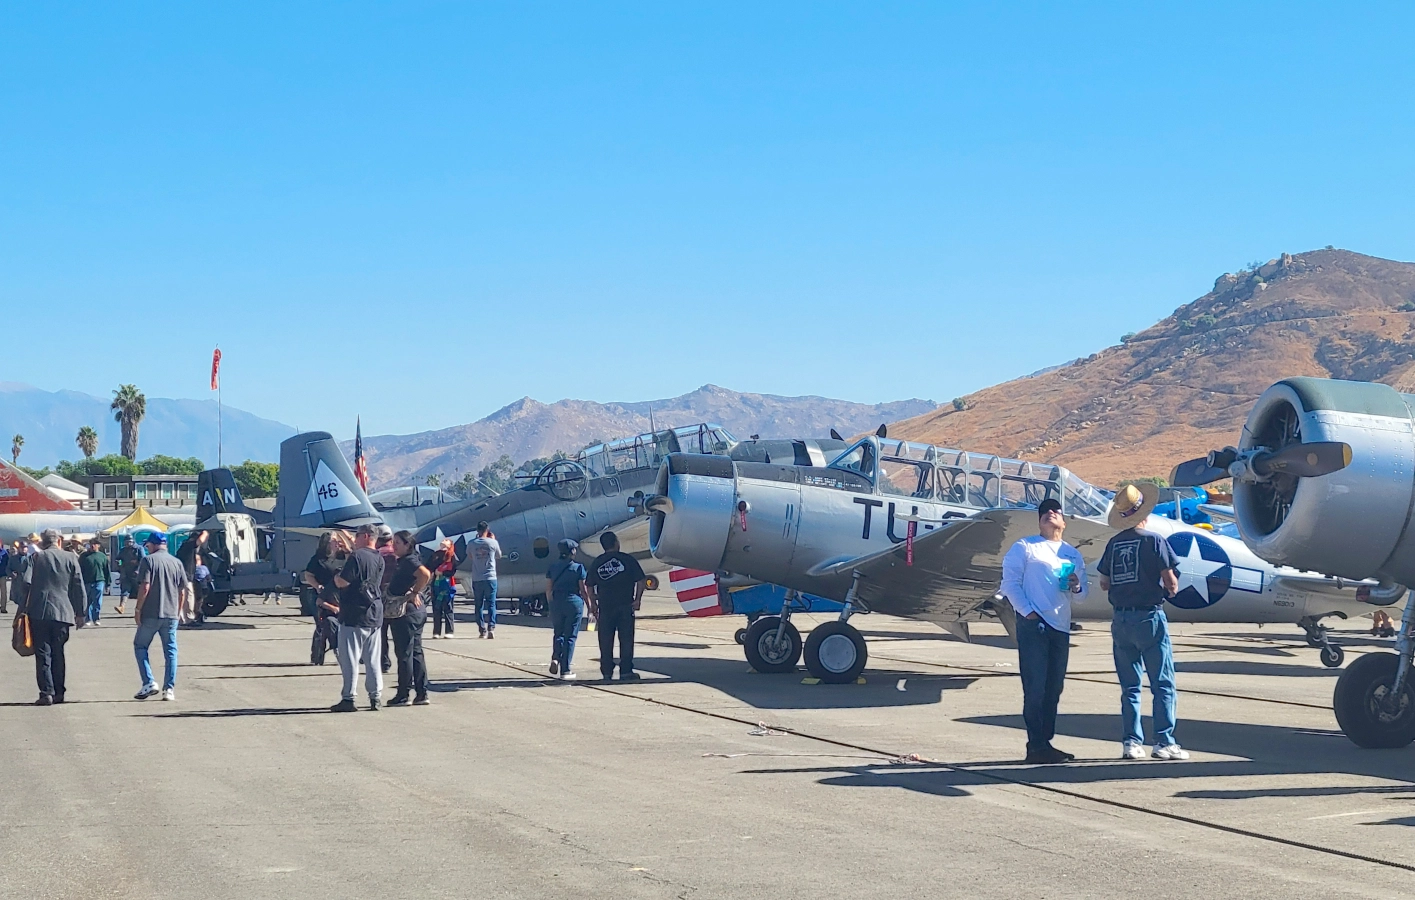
<point x="360" y="467"/>
<point x="216" y="369"/>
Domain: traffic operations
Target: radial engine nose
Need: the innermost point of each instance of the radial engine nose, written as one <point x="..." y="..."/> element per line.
<point x="691" y="513"/>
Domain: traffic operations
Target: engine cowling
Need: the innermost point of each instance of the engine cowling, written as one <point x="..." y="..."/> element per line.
<point x="1353" y="522"/>
<point x="691" y="514"/>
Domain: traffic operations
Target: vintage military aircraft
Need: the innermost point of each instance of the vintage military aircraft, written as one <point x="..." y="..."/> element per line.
<point x="1324" y="479"/>
<point x="582" y="497"/>
<point x="920" y="531"/>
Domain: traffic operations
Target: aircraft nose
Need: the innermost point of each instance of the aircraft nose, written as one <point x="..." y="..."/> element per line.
<point x="692" y="512"/>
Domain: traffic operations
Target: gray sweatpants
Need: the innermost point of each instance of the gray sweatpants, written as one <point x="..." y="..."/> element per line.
<point x="361" y="645"/>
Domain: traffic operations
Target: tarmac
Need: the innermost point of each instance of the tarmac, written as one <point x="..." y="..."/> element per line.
<point x="704" y="780"/>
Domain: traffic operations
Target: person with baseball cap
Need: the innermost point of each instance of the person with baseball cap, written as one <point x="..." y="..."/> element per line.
<point x="1138" y="571"/>
<point x="566" y="589"/>
<point x="1040" y="576"/>
<point x="162" y="585"/>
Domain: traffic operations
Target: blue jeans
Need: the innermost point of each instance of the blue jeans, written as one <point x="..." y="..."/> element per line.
<point x="565" y="616"/>
<point x="95" y="600"/>
<point x="147" y="630"/>
<point x="1042" y="654"/>
<point x="1141" y="637"/>
<point x="484" y="592"/>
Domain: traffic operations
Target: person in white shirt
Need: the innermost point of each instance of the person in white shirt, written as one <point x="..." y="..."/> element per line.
<point x="1040" y="575"/>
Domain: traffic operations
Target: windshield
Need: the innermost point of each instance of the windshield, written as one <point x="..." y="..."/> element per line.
<point x="646" y="451"/>
<point x="859" y="459"/>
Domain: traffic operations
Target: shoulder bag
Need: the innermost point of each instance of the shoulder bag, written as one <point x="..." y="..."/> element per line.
<point x="20" y="638"/>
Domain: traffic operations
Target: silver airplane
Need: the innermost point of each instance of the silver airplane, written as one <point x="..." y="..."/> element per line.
<point x="920" y="531"/>
<point x="1324" y="479"/>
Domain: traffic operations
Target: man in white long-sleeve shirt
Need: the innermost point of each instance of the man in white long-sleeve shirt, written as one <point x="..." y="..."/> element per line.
<point x="1040" y="575"/>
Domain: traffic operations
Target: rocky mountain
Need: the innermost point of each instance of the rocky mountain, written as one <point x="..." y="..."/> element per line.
<point x="1185" y="384"/>
<point x="50" y="420"/>
<point x="528" y="428"/>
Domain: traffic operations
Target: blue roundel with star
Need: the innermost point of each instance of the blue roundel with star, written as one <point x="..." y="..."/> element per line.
<point x="1205" y="573"/>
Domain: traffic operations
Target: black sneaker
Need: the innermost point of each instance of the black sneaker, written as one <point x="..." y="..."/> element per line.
<point x="630" y="676"/>
<point x="44" y="700"/>
<point x="344" y="706"/>
<point x="398" y="701"/>
<point x="373" y="704"/>
<point x="421" y="700"/>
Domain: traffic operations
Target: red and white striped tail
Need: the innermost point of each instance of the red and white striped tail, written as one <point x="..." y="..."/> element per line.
<point x="697" y="592"/>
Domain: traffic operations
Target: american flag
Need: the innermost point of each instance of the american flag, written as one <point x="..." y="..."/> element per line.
<point x="360" y="467"/>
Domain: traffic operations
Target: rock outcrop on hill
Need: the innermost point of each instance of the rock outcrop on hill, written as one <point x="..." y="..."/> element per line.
<point x="1185" y="384"/>
<point x="528" y="428"/>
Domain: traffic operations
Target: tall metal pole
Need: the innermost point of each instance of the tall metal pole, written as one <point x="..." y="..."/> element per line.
<point x="218" y="422"/>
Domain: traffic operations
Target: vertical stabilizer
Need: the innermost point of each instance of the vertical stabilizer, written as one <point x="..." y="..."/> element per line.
<point x="317" y="487"/>
<point x="217" y="492"/>
<point x="20" y="493"/>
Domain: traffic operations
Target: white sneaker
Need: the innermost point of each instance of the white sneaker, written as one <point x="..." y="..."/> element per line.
<point x="1171" y="751"/>
<point x="568" y="676"/>
<point x="555" y="667"/>
<point x="169" y="694"/>
<point x="95" y="623"/>
<point x="1132" y="750"/>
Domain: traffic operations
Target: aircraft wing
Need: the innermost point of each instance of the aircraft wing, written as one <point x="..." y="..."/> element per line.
<point x="957" y="569"/>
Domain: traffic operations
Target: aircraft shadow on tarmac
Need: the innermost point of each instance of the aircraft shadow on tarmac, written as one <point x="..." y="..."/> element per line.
<point x="1251" y="667"/>
<point x="785" y="691"/>
<point x="239" y="713"/>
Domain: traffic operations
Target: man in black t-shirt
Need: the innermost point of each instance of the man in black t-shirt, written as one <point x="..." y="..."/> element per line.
<point x="361" y="619"/>
<point x="617" y="583"/>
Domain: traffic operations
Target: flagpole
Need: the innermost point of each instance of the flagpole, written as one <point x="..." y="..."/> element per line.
<point x="218" y="418"/>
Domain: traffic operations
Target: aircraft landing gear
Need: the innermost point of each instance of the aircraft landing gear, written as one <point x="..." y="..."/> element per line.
<point x="1375" y="696"/>
<point x="1319" y="638"/>
<point x="740" y="636"/>
<point x="215" y="603"/>
<point x="836" y="651"/>
<point x="773" y="644"/>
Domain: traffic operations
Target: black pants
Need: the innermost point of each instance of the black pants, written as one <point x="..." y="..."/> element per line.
<point x="442" y="616"/>
<point x="49" y="639"/>
<point x="387" y="656"/>
<point x="408" y="649"/>
<point x="325" y="637"/>
<point x="616" y="620"/>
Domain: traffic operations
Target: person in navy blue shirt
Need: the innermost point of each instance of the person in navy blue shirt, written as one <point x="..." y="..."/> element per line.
<point x="565" y="586"/>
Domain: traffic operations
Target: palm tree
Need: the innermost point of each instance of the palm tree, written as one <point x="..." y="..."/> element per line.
<point x="16" y="443"/>
<point x="87" y="441"/>
<point x="129" y="406"/>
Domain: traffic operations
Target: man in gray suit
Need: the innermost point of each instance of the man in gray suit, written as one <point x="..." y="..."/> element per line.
<point x="52" y="595"/>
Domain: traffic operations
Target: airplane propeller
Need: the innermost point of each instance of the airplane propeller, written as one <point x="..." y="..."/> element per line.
<point x="1295" y="460"/>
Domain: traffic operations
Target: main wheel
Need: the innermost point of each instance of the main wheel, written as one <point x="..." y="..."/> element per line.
<point x="1365" y="708"/>
<point x="765" y="653"/>
<point x="215" y="604"/>
<point x="836" y="652"/>
<point x="1333" y="657"/>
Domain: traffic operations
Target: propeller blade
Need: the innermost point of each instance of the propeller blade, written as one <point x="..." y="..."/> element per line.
<point x="1305" y="460"/>
<point x="835" y="435"/>
<point x="1196" y="472"/>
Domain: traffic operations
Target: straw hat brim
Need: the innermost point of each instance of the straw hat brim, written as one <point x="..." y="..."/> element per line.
<point x="1149" y="496"/>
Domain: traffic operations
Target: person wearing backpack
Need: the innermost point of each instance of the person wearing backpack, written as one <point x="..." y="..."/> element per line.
<point x="565" y="586"/>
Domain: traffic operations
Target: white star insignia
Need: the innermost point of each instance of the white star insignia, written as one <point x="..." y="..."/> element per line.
<point x="1194" y="570"/>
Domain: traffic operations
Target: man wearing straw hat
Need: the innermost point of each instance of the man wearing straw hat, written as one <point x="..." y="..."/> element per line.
<point x="1138" y="570"/>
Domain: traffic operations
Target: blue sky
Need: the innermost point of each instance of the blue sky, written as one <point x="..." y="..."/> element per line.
<point x="419" y="212"/>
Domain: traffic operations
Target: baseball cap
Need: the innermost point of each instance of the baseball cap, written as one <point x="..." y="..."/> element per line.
<point x="1050" y="504"/>
<point x="567" y="547"/>
<point x="156" y="537"/>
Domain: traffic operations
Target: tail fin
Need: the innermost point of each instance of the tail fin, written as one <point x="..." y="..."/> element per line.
<point x="696" y="591"/>
<point x="20" y="493"/>
<point x="317" y="487"/>
<point x="217" y="492"/>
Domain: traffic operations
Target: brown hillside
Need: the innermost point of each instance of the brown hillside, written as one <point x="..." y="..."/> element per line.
<point x="1186" y="384"/>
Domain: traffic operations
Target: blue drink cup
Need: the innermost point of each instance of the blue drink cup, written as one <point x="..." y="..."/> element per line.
<point x="1063" y="575"/>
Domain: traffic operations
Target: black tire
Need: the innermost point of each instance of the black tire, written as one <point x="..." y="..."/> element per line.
<point x="1359" y="691"/>
<point x="652" y="582"/>
<point x="836" y="653"/>
<point x="1333" y="657"/>
<point x="740" y="635"/>
<point x="215" y="604"/>
<point x="762" y="652"/>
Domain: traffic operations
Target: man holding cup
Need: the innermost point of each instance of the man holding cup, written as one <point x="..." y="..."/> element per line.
<point x="1040" y="575"/>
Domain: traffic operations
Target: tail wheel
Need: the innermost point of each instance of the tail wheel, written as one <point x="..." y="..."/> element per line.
<point x="215" y="604"/>
<point x="836" y="653"/>
<point x="1367" y="709"/>
<point x="740" y="635"/>
<point x="652" y="582"/>
<point x="767" y="654"/>
<point x="1333" y="657"/>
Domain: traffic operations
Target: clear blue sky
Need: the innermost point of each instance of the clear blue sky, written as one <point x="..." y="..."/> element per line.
<point x="423" y="211"/>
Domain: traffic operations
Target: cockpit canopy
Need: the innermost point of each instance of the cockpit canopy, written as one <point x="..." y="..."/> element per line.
<point x="646" y="451"/>
<point x="979" y="480"/>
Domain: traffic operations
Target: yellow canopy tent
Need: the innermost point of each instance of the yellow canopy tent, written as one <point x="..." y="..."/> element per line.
<point x="138" y="518"/>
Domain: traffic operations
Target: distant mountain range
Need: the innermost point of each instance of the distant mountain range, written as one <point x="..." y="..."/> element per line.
<point x="50" y="420"/>
<point x="1184" y="385"/>
<point x="528" y="428"/>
